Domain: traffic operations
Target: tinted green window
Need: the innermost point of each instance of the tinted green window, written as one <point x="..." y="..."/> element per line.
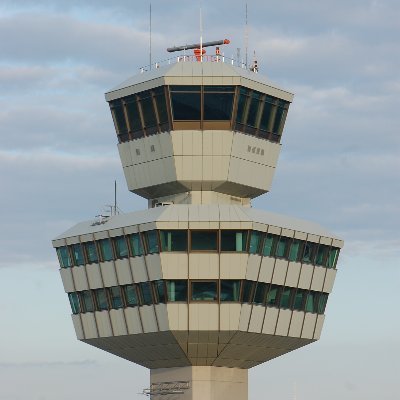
<point x="299" y="300"/>
<point x="186" y="106"/>
<point x="218" y="106"/>
<point x="185" y="88"/>
<point x="146" y="294"/>
<point x="152" y="241"/>
<point x="133" y="114"/>
<point x="285" y="298"/>
<point x="161" y="105"/>
<point x="119" y="116"/>
<point x="312" y="302"/>
<point x="321" y="254"/>
<point x="265" y="116"/>
<point x="210" y="88"/>
<point x="309" y="252"/>
<point x="177" y="290"/>
<point x="253" y="110"/>
<point x="121" y="247"/>
<point x="204" y="291"/>
<point x="148" y="112"/>
<point x="204" y="240"/>
<point x="115" y="296"/>
<point x="77" y="254"/>
<point x="106" y="250"/>
<point x="233" y="240"/>
<point x="101" y="299"/>
<point x="63" y="257"/>
<point x="279" y="120"/>
<point x="91" y="252"/>
<point x="247" y="293"/>
<point x="87" y="301"/>
<point x="241" y="108"/>
<point x="136" y="244"/>
<point x="174" y="240"/>
<point x="282" y="247"/>
<point x="74" y="301"/>
<point x="294" y="252"/>
<point x="269" y="244"/>
<point x="160" y="291"/>
<point x="332" y="257"/>
<point x="131" y="295"/>
<point x="261" y="290"/>
<point x="255" y="239"/>
<point x="323" y="298"/>
<point x="273" y="296"/>
<point x="230" y="290"/>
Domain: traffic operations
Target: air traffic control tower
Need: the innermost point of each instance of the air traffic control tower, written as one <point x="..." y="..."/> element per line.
<point x="199" y="287"/>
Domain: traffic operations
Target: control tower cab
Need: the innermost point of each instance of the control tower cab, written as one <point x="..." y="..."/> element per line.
<point x="199" y="287"/>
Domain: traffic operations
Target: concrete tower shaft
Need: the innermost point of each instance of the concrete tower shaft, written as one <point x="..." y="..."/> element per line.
<point x="199" y="133"/>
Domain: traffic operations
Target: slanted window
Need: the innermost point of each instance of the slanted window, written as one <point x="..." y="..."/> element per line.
<point x="248" y="291"/>
<point x="259" y="294"/>
<point x="204" y="240"/>
<point x="101" y="299"/>
<point x="322" y="253"/>
<point x="87" y="301"/>
<point x="204" y="291"/>
<point x="146" y="293"/>
<point x="255" y="241"/>
<point x="151" y="238"/>
<point x="332" y="257"/>
<point x="309" y="252"/>
<point x="77" y="254"/>
<point x="323" y="298"/>
<point x="282" y="247"/>
<point x="230" y="290"/>
<point x="312" y="302"/>
<point x="285" y="300"/>
<point x="273" y="295"/>
<point x="177" y="290"/>
<point x="174" y="240"/>
<point x="218" y="101"/>
<point x="74" y="301"/>
<point x="91" y="252"/>
<point x="106" y="249"/>
<point x="115" y="297"/>
<point x="186" y="103"/>
<point x="121" y="247"/>
<point x="233" y="240"/>
<point x="64" y="257"/>
<point x="135" y="242"/>
<point x="131" y="295"/>
<point x="269" y="244"/>
<point x="159" y="288"/>
<point x="299" y="300"/>
<point x="295" y="250"/>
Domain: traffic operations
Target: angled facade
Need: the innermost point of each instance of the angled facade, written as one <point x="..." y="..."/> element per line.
<point x="199" y="287"/>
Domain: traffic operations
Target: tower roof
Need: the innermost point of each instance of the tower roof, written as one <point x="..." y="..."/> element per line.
<point x="197" y="73"/>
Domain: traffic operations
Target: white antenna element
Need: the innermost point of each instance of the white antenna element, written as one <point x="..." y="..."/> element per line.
<point x="150" y="36"/>
<point x="246" y="38"/>
<point x="201" y="36"/>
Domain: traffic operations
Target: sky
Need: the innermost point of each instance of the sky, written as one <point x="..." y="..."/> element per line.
<point x="339" y="166"/>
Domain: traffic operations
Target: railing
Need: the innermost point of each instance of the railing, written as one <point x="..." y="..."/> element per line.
<point x="165" y="388"/>
<point x="193" y="58"/>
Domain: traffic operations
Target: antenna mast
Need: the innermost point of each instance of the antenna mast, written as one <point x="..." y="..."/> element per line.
<point x="115" y="197"/>
<point x="246" y="40"/>
<point x="201" y="36"/>
<point x="150" y="36"/>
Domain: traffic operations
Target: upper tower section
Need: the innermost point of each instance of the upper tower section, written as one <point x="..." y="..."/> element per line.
<point x="199" y="132"/>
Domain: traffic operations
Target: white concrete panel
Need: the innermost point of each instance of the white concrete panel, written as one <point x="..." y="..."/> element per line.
<point x="270" y="319"/>
<point x="203" y="317"/>
<point x="325" y="240"/>
<point x="116" y="232"/>
<point x="162" y="317"/>
<point x="337" y="243"/>
<point x="253" y="267"/>
<point x="296" y="324"/>
<point x="256" y="319"/>
<point x="100" y="235"/>
<point x="203" y="266"/>
<point x="139" y="270"/>
<point x="197" y="143"/>
<point x="229" y="316"/>
<point x="103" y="323"/>
<point x="89" y="325"/>
<point x="133" y="320"/>
<point x="260" y="227"/>
<point x="318" y="326"/>
<point x="177" y="139"/>
<point x="67" y="280"/>
<point x="154" y="266"/>
<point x="72" y="240"/>
<point x="287" y="232"/>
<point x="305" y="276"/>
<point x="300" y="235"/>
<point x="233" y="265"/>
<point x="80" y="279"/>
<point x="174" y="265"/>
<point x="329" y="280"/>
<point x="148" y="317"/>
<point x="118" y="322"/>
<point x="318" y="278"/>
<point x="87" y="238"/>
<point x="58" y="242"/>
<point x="94" y="276"/>
<point x="282" y="326"/>
<point x="280" y="270"/>
<point x="266" y="269"/>
<point x="108" y="273"/>
<point x="312" y="238"/>
<point x="76" y="320"/>
<point x="293" y="274"/>
<point x="309" y="326"/>
<point x="245" y="314"/>
<point x="123" y="269"/>
<point x="178" y="314"/>
<point x="274" y="230"/>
